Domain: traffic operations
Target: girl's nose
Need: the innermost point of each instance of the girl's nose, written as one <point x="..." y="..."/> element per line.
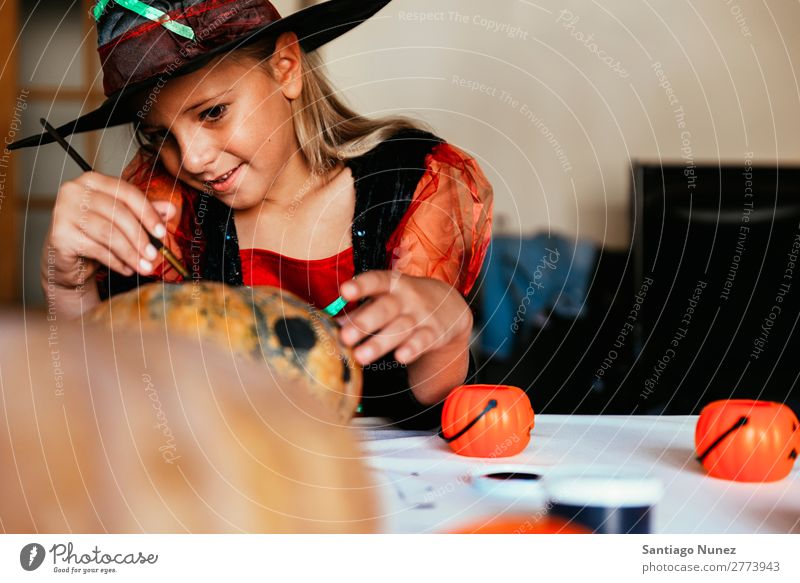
<point x="197" y="153"/>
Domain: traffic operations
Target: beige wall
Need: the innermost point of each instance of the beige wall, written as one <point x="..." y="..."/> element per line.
<point x="557" y="144"/>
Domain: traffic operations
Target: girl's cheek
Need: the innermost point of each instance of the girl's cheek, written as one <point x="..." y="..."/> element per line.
<point x="169" y="159"/>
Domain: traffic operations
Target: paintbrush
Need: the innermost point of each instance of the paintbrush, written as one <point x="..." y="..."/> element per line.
<point x="168" y="255"/>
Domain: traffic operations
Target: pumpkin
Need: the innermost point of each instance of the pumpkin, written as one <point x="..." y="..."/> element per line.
<point x="487" y="420"/>
<point x="125" y="432"/>
<point x="746" y="440"/>
<point x="521" y="524"/>
<point x="262" y="324"/>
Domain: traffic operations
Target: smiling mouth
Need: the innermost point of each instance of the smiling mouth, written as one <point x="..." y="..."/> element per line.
<point x="225" y="182"/>
<point x="224" y="177"/>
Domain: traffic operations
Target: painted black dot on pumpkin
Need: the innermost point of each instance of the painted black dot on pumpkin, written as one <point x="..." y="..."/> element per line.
<point x="793" y="454"/>
<point x="295" y="333"/>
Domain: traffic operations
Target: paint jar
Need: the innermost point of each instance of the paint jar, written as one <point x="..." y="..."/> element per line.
<point x="605" y="500"/>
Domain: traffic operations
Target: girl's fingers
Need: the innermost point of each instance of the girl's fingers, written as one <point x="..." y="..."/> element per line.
<point x="370" y="317"/>
<point x="395" y="333"/>
<point x="165" y="209"/>
<point x="124" y="220"/>
<point x="370" y="283"/>
<point x="103" y="232"/>
<point x="421" y="341"/>
<point x="93" y="250"/>
<point x="132" y="197"/>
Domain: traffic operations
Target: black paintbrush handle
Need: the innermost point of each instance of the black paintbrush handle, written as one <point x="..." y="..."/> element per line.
<point x="70" y="150"/>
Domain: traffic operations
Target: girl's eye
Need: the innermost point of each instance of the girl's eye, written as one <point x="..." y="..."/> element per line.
<point x="156" y="138"/>
<point x="213" y="113"/>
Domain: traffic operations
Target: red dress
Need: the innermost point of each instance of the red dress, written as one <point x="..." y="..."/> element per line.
<point x="316" y="281"/>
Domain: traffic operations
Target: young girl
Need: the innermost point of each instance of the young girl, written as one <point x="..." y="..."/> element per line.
<point x="253" y="172"/>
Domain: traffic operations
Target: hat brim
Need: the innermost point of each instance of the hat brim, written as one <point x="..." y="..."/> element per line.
<point x="314" y="27"/>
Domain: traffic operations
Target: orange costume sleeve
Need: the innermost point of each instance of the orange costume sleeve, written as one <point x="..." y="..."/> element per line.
<point x="445" y="232"/>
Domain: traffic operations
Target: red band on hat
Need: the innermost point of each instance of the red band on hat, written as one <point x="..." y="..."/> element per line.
<point x="170" y="15"/>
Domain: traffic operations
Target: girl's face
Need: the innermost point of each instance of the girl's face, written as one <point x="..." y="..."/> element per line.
<point x="228" y="127"/>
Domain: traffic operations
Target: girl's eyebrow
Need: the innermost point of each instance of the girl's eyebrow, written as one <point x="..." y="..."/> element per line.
<point x="192" y="108"/>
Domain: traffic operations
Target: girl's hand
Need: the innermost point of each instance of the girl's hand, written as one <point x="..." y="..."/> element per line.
<point x="411" y="315"/>
<point x="101" y="219"/>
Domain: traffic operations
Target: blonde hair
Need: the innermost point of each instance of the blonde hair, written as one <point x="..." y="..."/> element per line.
<point x="328" y="131"/>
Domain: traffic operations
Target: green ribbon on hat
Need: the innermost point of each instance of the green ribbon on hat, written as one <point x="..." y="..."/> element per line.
<point x="149" y="13"/>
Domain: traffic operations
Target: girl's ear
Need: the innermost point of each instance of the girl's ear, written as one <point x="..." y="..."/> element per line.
<point x="287" y="66"/>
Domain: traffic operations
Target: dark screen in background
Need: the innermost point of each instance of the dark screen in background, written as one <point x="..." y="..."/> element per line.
<point x="720" y="246"/>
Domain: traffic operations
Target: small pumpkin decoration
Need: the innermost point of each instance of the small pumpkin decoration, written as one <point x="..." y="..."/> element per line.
<point x="487" y="420"/>
<point x="521" y="524"/>
<point x="262" y="324"/>
<point x="747" y="440"/>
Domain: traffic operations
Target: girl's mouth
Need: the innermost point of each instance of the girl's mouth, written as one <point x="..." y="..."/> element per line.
<point x="226" y="181"/>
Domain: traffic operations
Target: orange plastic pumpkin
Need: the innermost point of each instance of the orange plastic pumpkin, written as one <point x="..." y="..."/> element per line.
<point x="522" y="524"/>
<point x="487" y="420"/>
<point x="746" y="440"/>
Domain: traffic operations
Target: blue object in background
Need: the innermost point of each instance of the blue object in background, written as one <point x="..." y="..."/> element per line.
<point x="524" y="280"/>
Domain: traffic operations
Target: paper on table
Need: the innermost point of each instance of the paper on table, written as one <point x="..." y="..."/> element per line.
<point x="412" y="491"/>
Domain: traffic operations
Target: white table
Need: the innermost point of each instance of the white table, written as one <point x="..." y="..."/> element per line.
<point x="441" y="496"/>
